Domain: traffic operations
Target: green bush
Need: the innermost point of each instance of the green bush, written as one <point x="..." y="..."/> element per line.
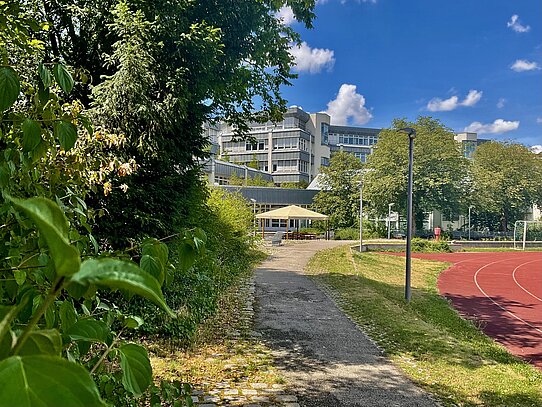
<point x="430" y="246"/>
<point x="346" y="234"/>
<point x="227" y="220"/>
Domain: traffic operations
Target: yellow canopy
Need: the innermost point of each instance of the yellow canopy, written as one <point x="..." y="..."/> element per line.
<point x="292" y="212"/>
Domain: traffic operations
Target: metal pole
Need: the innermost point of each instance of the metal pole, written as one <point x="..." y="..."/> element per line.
<point x="524" y="233"/>
<point x="469" y="220"/>
<point x="360" y="216"/>
<point x="411" y="135"/>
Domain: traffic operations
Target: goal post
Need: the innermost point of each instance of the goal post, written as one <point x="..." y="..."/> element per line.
<point x="526" y="231"/>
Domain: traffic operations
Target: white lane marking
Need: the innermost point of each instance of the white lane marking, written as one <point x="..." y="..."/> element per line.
<point x="519" y="285"/>
<point x="495" y="302"/>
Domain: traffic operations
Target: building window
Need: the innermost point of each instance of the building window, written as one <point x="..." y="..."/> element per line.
<point x="289" y="143"/>
<point x="324" y="161"/>
<point x="325" y="133"/>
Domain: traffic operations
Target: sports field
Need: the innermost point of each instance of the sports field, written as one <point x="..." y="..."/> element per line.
<point x="502" y="292"/>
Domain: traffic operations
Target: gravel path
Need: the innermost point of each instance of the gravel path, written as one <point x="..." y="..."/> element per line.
<point x="323" y="356"/>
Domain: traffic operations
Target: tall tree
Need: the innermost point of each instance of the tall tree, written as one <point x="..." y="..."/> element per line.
<point x="507" y="180"/>
<point x="339" y="197"/>
<point x="439" y="170"/>
<point x="162" y="68"/>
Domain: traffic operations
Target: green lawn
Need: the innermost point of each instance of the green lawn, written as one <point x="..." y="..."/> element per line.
<point x="427" y="339"/>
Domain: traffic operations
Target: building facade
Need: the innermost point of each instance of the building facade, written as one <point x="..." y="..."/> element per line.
<point x="291" y="150"/>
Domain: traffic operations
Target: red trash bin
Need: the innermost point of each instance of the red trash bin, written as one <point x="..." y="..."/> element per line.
<point x="437" y="233"/>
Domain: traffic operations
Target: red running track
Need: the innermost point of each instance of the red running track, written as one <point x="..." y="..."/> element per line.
<point x="502" y="292"/>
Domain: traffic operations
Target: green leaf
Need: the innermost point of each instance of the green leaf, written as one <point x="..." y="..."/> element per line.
<point x="136" y="368"/>
<point x="89" y="330"/>
<point x="53" y="226"/>
<point x="45" y="75"/>
<point x="63" y="78"/>
<point x="9" y="87"/>
<point x="6" y="343"/>
<point x="114" y="273"/>
<point x="151" y="266"/>
<point x="68" y="315"/>
<point x="156" y="249"/>
<point x="66" y="133"/>
<point x="42" y="342"/>
<point x="46" y="381"/>
<point x="20" y="276"/>
<point x="133" y="322"/>
<point x="31" y="135"/>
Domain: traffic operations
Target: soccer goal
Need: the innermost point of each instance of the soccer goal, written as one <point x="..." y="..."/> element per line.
<point x="526" y="231"/>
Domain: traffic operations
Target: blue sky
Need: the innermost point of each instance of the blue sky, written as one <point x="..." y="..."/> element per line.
<point x="474" y="64"/>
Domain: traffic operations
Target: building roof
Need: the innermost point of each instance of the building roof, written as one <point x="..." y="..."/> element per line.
<point x="292" y="212"/>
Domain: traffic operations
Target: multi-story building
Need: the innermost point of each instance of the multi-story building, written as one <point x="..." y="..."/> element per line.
<point x="295" y="149"/>
<point x="355" y="140"/>
<point x="469" y="142"/>
<point x="291" y="150"/>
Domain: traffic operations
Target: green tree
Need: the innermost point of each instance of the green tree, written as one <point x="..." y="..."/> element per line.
<point x="439" y="170"/>
<point x="160" y="69"/>
<point x="507" y="180"/>
<point x="339" y="197"/>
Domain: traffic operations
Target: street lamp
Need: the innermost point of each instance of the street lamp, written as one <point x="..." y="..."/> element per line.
<point x="411" y="136"/>
<point x="254" y="210"/>
<point x="389" y="219"/>
<point x="360" y="216"/>
<point x="470" y="207"/>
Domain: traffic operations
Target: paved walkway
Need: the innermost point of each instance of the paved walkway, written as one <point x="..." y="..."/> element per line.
<point x="323" y="356"/>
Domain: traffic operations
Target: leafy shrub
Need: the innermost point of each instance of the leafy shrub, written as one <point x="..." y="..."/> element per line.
<point x="430" y="246"/>
<point x="194" y="291"/>
<point x="346" y="234"/>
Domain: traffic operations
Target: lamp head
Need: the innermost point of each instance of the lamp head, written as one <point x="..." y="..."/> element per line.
<point x="409" y="131"/>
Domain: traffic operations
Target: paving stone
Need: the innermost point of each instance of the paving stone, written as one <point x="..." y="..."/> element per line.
<point x="207" y="405"/>
<point x="260" y="399"/>
<point x="277" y="386"/>
<point x="197" y="392"/>
<point x="286" y="398"/>
<point x="213" y="399"/>
<point x="259" y="385"/>
<point x="249" y="392"/>
<point x="195" y="399"/>
<point x="231" y="392"/>
<point x="291" y="405"/>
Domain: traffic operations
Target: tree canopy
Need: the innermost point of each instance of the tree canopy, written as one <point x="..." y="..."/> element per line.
<point x="507" y="180"/>
<point x="439" y="170"/>
<point x="339" y="197"/>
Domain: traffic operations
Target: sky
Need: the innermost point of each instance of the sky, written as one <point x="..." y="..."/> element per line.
<point x="474" y="64"/>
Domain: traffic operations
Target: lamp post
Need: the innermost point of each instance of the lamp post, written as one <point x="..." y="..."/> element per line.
<point x="470" y="207"/>
<point x="389" y="219"/>
<point x="360" y="216"/>
<point x="254" y="211"/>
<point x="411" y="136"/>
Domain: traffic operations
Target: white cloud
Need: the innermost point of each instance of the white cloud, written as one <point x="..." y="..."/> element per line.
<point x="523" y="65"/>
<point x="348" y="104"/>
<point x="497" y="127"/>
<point x="536" y="149"/>
<point x="312" y="60"/>
<point x="515" y="25"/>
<point x="501" y="102"/>
<point x="539" y="120"/>
<point x="440" y="105"/>
<point x="472" y="98"/>
<point x="286" y="14"/>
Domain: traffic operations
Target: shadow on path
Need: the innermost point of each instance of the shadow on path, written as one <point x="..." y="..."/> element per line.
<point x="322" y="354"/>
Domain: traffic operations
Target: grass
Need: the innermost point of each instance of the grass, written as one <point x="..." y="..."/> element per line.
<point x="427" y="339"/>
<point x="224" y="350"/>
